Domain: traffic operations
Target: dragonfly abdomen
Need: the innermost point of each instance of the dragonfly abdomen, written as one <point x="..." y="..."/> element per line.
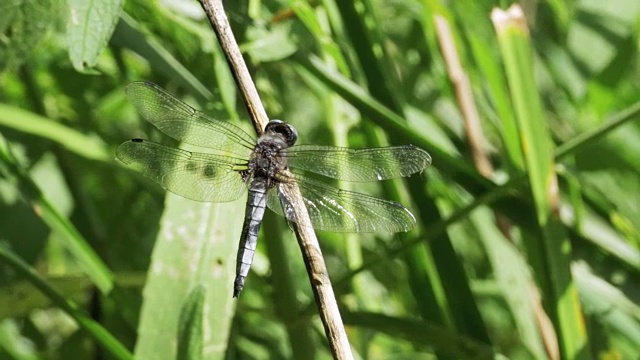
<point x="254" y="213"/>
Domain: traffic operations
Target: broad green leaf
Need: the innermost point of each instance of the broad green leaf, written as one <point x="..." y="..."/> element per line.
<point x="90" y="26"/>
<point x="196" y="247"/>
<point x="270" y="44"/>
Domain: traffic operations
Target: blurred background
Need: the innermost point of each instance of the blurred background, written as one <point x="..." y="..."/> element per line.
<point x="527" y="242"/>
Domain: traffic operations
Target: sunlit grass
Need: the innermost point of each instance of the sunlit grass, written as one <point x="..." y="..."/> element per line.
<point x="537" y="258"/>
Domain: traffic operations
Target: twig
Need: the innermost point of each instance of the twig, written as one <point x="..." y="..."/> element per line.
<point x="307" y="240"/>
<point x="248" y="91"/>
<point x="464" y="95"/>
<point x="319" y="278"/>
<point x="470" y="115"/>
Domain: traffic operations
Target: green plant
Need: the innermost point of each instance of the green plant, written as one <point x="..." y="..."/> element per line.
<point x="537" y="254"/>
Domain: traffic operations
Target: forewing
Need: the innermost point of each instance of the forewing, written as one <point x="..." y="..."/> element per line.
<point x="358" y="165"/>
<point x="196" y="176"/>
<point x="336" y="210"/>
<point x="184" y="123"/>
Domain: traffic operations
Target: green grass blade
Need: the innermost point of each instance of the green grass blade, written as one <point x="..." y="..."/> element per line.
<point x="74" y="242"/>
<point x="128" y="34"/>
<point x="99" y="333"/>
<point x="330" y="48"/>
<point x="394" y="123"/>
<point x="590" y="137"/>
<point x="479" y="33"/>
<point x="280" y="247"/>
<point x="533" y="133"/>
<point x="191" y="327"/>
<point x="450" y="343"/>
<point x="74" y="141"/>
<point x="360" y="25"/>
<point x="547" y="247"/>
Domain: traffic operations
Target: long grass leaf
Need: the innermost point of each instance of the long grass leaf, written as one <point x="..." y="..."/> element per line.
<point x="73" y="241"/>
<point x="547" y="248"/>
<point x="76" y="142"/>
<point x="93" y="328"/>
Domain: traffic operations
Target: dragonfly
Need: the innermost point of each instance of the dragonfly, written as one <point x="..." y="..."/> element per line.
<point x="265" y="166"/>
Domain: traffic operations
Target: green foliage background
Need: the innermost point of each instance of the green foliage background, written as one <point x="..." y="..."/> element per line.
<point x="97" y="262"/>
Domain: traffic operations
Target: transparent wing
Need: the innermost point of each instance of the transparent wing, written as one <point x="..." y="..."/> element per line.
<point x="358" y="165"/>
<point x="196" y="176"/>
<point x="184" y="123"/>
<point x="336" y="210"/>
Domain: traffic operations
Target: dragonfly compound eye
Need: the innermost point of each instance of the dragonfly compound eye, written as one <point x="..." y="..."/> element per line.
<point x="288" y="132"/>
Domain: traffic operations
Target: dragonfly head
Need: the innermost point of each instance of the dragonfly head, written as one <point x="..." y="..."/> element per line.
<point x="286" y="131"/>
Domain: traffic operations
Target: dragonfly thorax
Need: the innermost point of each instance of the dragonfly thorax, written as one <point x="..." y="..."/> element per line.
<point x="266" y="160"/>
